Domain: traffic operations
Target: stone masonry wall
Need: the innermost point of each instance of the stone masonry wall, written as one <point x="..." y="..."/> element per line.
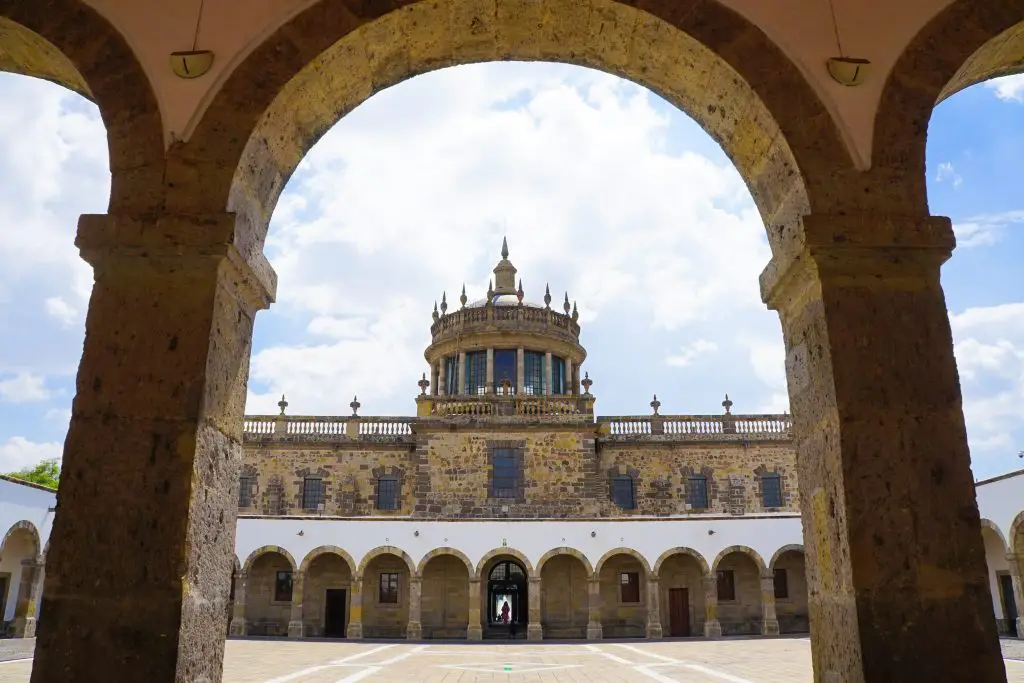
<point x="445" y="601"/>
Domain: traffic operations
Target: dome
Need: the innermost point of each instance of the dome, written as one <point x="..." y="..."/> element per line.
<point x="503" y="300"/>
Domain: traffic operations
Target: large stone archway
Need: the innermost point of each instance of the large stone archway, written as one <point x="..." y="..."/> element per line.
<point x="565" y="579"/>
<point x="445" y="595"/>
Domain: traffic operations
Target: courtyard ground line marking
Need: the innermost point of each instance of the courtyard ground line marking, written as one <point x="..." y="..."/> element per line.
<point x="652" y="655"/>
<point x="615" y="658"/>
<point x="358" y="655"/>
<point x="717" y="674"/>
<point x="654" y="675"/>
<point x="359" y="675"/>
<point x="14" y="661"/>
<point x="398" y="658"/>
<point x="330" y="665"/>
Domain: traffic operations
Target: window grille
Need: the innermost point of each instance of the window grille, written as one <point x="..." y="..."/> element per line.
<point x="533" y="373"/>
<point x="557" y="376"/>
<point x="622" y="492"/>
<point x="283" y="587"/>
<point x="771" y="491"/>
<point x="476" y="372"/>
<point x="697" y="492"/>
<point x="387" y="493"/>
<point x="451" y="376"/>
<point x="505" y="474"/>
<point x="312" y="492"/>
<point x="388" y="588"/>
<point x="505" y="368"/>
<point x="245" y="488"/>
<point x="726" y="585"/>
<point x="629" y="582"/>
<point x="781" y="580"/>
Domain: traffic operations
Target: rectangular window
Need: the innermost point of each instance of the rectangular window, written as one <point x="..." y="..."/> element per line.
<point x="451" y="376"/>
<point x="726" y="585"/>
<point x="476" y="372"/>
<point x="283" y="587"/>
<point x="275" y="498"/>
<point x="388" y="589"/>
<point x="312" y="493"/>
<point x="629" y="584"/>
<point x="781" y="584"/>
<point x="622" y="492"/>
<point x="771" y="491"/>
<point x="533" y="373"/>
<point x="697" y="492"/>
<point x="387" y="493"/>
<point x="557" y="376"/>
<point x="504" y="369"/>
<point x="245" y="488"/>
<point x="505" y="473"/>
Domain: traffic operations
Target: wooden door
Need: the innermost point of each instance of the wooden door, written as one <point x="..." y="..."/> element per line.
<point x="1009" y="604"/>
<point x="678" y="612"/>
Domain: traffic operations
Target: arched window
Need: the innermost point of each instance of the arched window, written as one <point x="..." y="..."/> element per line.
<point x="506" y="594"/>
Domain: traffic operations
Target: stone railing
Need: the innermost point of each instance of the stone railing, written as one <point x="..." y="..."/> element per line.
<point x="496" y="405"/>
<point x="328" y="428"/>
<point x="726" y="427"/>
<point x="518" y="318"/>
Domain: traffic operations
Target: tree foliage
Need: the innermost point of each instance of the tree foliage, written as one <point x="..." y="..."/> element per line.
<point x="46" y="473"/>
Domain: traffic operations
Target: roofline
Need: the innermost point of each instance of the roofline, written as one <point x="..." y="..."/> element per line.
<point x="1008" y="475"/>
<point x="30" y="484"/>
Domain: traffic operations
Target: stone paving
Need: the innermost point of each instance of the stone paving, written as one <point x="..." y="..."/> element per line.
<point x="778" y="660"/>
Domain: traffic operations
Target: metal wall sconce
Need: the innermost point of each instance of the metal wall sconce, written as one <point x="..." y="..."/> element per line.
<point x="191" y="63"/>
<point x="848" y="71"/>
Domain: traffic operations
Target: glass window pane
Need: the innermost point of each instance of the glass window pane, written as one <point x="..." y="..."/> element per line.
<point x="505" y="473"/>
<point x="312" y="493"/>
<point x="771" y="491"/>
<point x="387" y="493"/>
<point x="504" y="368"/>
<point x="697" y="490"/>
<point x="476" y="372"/>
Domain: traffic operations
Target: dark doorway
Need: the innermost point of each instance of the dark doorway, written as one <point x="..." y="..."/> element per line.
<point x="335" y="611"/>
<point x="507" y="603"/>
<point x="1009" y="605"/>
<point x="678" y="612"/>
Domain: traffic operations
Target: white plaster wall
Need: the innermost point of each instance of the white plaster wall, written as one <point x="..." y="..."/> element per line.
<point x="26" y="503"/>
<point x="1001" y="502"/>
<point x="995" y="558"/>
<point x="764" y="534"/>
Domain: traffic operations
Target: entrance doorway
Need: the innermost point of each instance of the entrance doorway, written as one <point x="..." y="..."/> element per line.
<point x="335" y="611"/>
<point x="678" y="612"/>
<point x="507" y="601"/>
<point x="1009" y="605"/>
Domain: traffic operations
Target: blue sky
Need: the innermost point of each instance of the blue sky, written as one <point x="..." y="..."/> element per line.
<point x="603" y="189"/>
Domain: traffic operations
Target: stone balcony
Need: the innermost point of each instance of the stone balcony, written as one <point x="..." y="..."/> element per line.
<point x="327" y="429"/>
<point x="523" y="319"/>
<point x="728" y="427"/>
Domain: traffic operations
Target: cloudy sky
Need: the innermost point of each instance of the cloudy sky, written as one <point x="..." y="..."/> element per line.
<point x="603" y="190"/>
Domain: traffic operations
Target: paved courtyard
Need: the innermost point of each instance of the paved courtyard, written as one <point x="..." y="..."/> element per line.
<point x="783" y="660"/>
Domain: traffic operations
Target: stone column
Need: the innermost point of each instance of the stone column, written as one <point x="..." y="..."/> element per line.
<point x="520" y="370"/>
<point x="769" y="622"/>
<point x="653" y="607"/>
<point x="442" y="379"/>
<point x="594" y="629"/>
<point x="548" y="374"/>
<point x="414" y="630"/>
<point x="1016" y="578"/>
<point x="463" y="376"/>
<point x="28" y="595"/>
<point x="534" y="630"/>
<point x="570" y="386"/>
<point x="237" y="627"/>
<point x="474" y="630"/>
<point x="295" y="626"/>
<point x="882" y="457"/>
<point x="155" y="433"/>
<point x="355" y="610"/>
<point x="489" y="376"/>
<point x="712" y="627"/>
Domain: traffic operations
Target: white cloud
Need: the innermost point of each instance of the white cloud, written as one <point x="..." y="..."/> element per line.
<point x="946" y="172"/>
<point x="687" y="354"/>
<point x="61" y="310"/>
<point x="1008" y="88"/>
<point x="23" y="388"/>
<point x="985" y="229"/>
<point x="18" y="452"/>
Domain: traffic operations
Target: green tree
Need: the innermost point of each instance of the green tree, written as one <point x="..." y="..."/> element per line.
<point x="46" y="473"/>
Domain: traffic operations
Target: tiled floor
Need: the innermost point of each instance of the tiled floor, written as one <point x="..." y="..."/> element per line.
<point x="785" y="660"/>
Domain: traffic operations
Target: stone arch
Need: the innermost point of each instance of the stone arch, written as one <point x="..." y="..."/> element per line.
<point x="700" y="55"/>
<point x="624" y="551"/>
<point x="437" y="552"/>
<point x="794" y="547"/>
<point x="1016" y="544"/>
<point x="386" y="550"/>
<point x="682" y="550"/>
<point x="993" y="527"/>
<point x="498" y="552"/>
<point x="327" y="550"/>
<point x="31" y="530"/>
<point x="564" y="550"/>
<point x="69" y="43"/>
<point x="265" y="550"/>
<point x="743" y="550"/>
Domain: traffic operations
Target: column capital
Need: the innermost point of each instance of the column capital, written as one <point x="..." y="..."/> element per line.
<point x="166" y="243"/>
<point x="847" y="246"/>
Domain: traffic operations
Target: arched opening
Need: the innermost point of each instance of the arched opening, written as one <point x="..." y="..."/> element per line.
<point x="386" y="597"/>
<point x="445" y="595"/>
<point x="564" y="597"/>
<point x="1004" y="603"/>
<point x="789" y="584"/>
<point x="623" y="586"/>
<point x="505" y="611"/>
<point x="268" y="596"/>
<point x="738" y="587"/>
<point x="326" y="596"/>
<point x="681" y="599"/>
<point x="18" y="572"/>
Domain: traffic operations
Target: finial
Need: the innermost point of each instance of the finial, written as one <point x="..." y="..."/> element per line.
<point x="435" y="314"/>
<point x="575" y="313"/>
<point x="727" y="404"/>
<point x="282" y="404"/>
<point x="566" y="306"/>
<point x="519" y="292"/>
<point x="444" y="303"/>
<point x="504" y="248"/>
<point x="655" y="404"/>
<point x="423" y="384"/>
<point x="354" y="405"/>
<point x="490" y="292"/>
<point x="586" y="382"/>
<point x="463" y="298"/>
<point x="547" y="296"/>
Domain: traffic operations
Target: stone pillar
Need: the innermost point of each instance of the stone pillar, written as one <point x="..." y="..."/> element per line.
<point x="489" y="376"/>
<point x="570" y="386"/>
<point x="463" y="376"/>
<point x="1016" y="578"/>
<point x="355" y="610"/>
<point x="156" y="431"/>
<point x="474" y="630"/>
<point x="28" y="595"/>
<point x="712" y="627"/>
<point x="520" y="370"/>
<point x="594" y="629"/>
<point x="534" y="630"/>
<point x="882" y="457"/>
<point x="653" y="607"/>
<point x="237" y="627"/>
<point x="295" y="626"/>
<point x="548" y="374"/>
<point x="414" y="630"/>
<point x="769" y="622"/>
<point x="442" y="378"/>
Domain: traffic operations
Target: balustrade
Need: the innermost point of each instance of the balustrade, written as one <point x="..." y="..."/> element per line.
<point x="465" y="317"/>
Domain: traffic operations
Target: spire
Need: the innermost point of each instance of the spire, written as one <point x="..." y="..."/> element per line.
<point x="463" y="298"/>
<point x="575" y="313"/>
<point x="435" y="314"/>
<point x="519" y="292"/>
<point x="566" y="307"/>
<point x="504" y="272"/>
<point x="547" y="296"/>
<point x="444" y="303"/>
<point x="490" y="292"/>
<point x="504" y="248"/>
<point x="282" y="404"/>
